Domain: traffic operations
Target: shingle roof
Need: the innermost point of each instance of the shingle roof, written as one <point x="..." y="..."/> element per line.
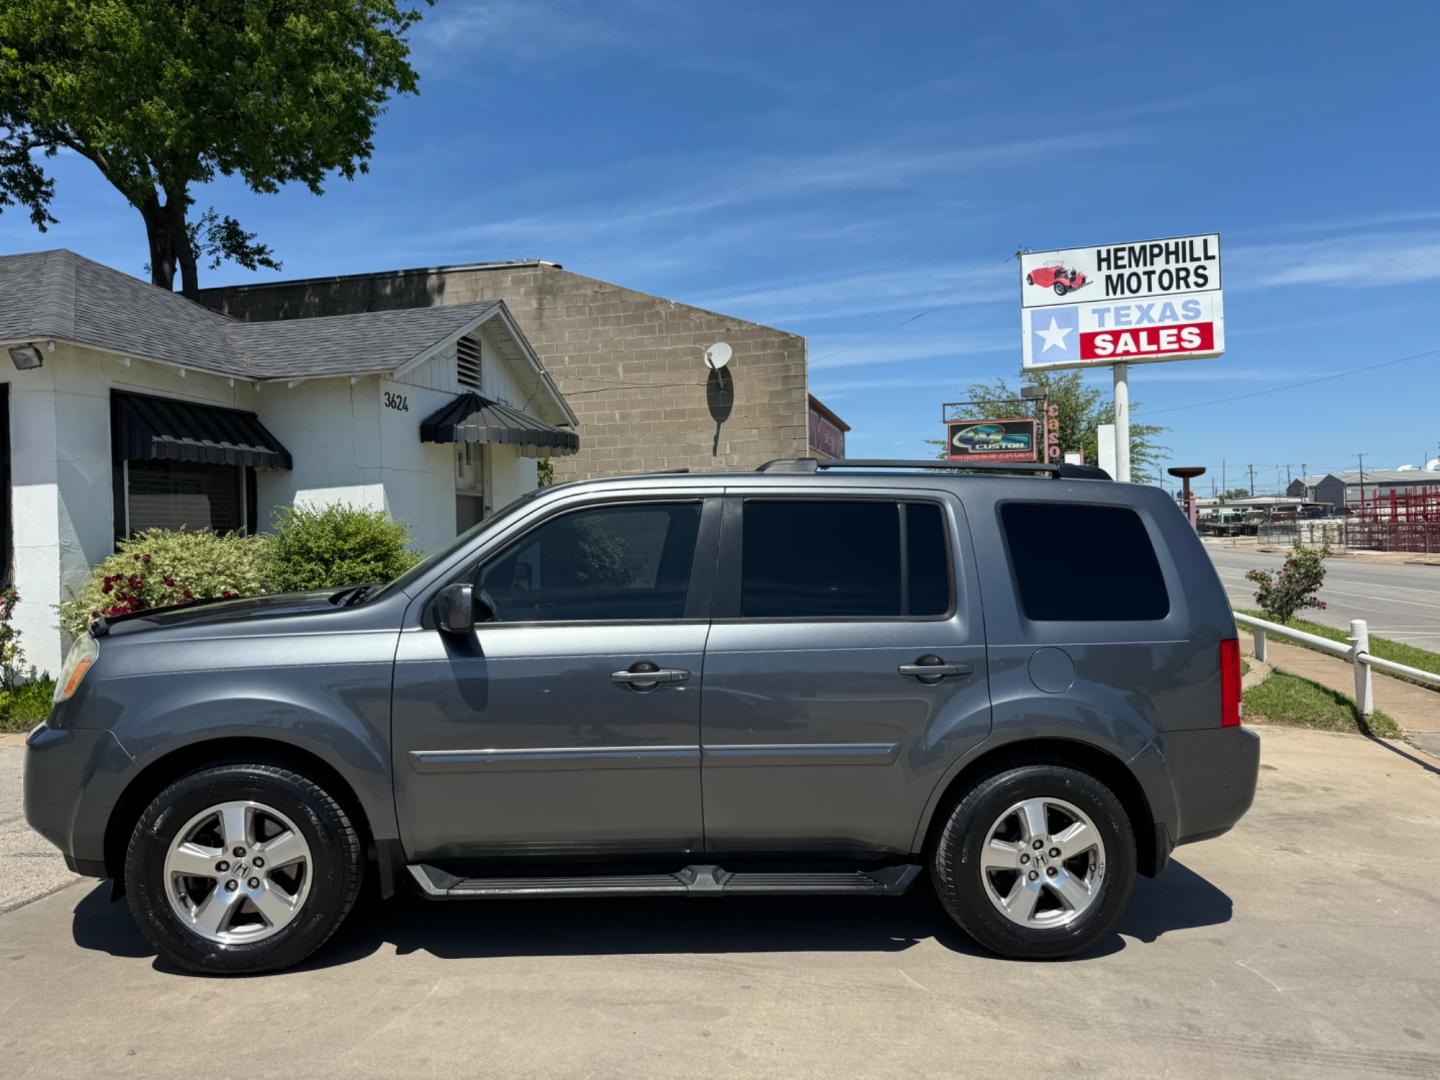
<point x="58" y="294"/>
<point x="374" y="341"/>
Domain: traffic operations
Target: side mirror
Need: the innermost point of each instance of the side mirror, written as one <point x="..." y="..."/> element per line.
<point x="455" y="609"/>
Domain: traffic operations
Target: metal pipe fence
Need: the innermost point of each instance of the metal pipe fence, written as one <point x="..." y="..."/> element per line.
<point x="1357" y="654"/>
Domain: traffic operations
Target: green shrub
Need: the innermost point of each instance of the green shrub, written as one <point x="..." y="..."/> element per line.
<point x="159" y="567"/>
<point x="1281" y="595"/>
<point x="22" y="707"/>
<point x="325" y="547"/>
<point x="12" y="657"/>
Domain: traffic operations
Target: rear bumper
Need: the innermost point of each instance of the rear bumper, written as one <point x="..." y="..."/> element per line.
<point x="1213" y="773"/>
<point x="73" y="778"/>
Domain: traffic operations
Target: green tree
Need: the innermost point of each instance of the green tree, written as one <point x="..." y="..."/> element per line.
<point x="164" y="95"/>
<point x="1082" y="409"/>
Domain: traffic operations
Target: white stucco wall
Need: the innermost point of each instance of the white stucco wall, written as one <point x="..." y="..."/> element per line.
<point x="60" y="473"/>
<point x="347" y="443"/>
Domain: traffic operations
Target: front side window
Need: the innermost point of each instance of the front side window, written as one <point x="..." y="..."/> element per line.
<point x="1078" y="563"/>
<point x="813" y="558"/>
<point x="611" y="563"/>
<point x="184" y="495"/>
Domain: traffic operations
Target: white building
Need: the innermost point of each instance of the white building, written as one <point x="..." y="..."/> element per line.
<point x="125" y="407"/>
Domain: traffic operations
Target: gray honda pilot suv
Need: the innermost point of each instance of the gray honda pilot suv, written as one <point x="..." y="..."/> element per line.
<point x="818" y="678"/>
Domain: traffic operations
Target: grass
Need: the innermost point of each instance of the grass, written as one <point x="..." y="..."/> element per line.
<point x="1383" y="647"/>
<point x="1296" y="702"/>
<point x="22" y="707"/>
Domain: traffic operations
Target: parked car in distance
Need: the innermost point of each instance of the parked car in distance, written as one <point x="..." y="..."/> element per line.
<point x="1056" y="277"/>
<point x="717" y="685"/>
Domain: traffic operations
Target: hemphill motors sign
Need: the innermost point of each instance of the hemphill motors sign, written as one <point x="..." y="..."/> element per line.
<point x="1122" y="303"/>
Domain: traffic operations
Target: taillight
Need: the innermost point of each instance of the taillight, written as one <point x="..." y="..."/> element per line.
<point x="1230" y="682"/>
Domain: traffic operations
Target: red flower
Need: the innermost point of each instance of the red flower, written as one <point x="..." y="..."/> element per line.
<point x="136" y="582"/>
<point x="105" y="588"/>
<point x="168" y="580"/>
<point x="227" y="594"/>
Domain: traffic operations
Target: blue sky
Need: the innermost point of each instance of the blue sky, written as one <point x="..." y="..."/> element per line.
<point x="836" y="168"/>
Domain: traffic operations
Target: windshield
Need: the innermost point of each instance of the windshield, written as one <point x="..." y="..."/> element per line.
<point x="424" y="566"/>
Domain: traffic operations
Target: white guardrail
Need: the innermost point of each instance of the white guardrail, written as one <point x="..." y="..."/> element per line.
<point x="1357" y="653"/>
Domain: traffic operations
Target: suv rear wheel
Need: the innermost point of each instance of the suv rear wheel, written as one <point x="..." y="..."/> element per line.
<point x="1036" y="862"/>
<point x="242" y="867"/>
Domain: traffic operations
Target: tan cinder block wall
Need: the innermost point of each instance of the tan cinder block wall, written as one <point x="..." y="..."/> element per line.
<point x="631" y="365"/>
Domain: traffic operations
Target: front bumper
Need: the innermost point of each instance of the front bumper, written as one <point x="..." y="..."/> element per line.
<point x="73" y="779"/>
<point x="1214" y="773"/>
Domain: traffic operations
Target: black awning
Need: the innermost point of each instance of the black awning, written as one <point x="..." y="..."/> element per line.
<point x="163" y="429"/>
<point x="475" y="419"/>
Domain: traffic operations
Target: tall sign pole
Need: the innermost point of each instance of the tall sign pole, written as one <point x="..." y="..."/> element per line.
<point x="1115" y="305"/>
<point x="1121" y="374"/>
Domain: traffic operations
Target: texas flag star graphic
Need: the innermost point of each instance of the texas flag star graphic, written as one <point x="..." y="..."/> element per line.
<point x="1058" y="331"/>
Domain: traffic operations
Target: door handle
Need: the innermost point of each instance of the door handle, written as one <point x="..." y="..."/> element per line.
<point x="648" y="675"/>
<point x="932" y="667"/>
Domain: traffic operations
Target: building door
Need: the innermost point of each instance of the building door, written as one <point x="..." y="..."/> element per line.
<point x="845" y="670"/>
<point x="470" y="465"/>
<point x="568" y="725"/>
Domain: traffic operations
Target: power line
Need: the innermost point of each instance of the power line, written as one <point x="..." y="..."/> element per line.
<point x="1295" y="385"/>
<point x="907" y="322"/>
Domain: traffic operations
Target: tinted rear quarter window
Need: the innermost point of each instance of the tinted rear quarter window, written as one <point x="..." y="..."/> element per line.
<point x="1079" y="563"/>
<point x="815" y="558"/>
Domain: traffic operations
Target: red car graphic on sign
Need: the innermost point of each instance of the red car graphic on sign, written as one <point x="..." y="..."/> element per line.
<point x="1055" y="277"/>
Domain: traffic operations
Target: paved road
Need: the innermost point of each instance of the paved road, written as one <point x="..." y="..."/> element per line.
<point x="1400" y="601"/>
<point x="1300" y="945"/>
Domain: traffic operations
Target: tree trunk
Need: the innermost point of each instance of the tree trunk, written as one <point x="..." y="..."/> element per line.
<point x="170" y="246"/>
<point x="177" y="202"/>
<point x="162" y="248"/>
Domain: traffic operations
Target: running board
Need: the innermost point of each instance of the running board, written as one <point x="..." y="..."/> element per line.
<point x="691" y="881"/>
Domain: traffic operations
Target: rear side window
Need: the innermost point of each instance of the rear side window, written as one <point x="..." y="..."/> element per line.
<point x="813" y="558"/>
<point x="1076" y="563"/>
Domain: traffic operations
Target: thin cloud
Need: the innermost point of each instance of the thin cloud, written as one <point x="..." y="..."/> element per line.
<point x="510" y="30"/>
<point x="1366" y="259"/>
<point x="909" y="288"/>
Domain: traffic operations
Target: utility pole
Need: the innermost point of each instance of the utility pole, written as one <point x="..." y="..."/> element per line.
<point x="1362" y="480"/>
<point x="1287" y="478"/>
<point x="1224" y="484"/>
<point x="1252" y="480"/>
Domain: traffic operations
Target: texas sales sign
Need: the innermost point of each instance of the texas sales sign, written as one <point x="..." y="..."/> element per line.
<point x="1122" y="303"/>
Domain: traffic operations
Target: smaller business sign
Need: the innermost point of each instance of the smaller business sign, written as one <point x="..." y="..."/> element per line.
<point x="1122" y="303"/>
<point x="991" y="440"/>
<point x="826" y="439"/>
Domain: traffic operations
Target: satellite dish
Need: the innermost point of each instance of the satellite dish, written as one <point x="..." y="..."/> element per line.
<point x="717" y="356"/>
<point x="1405" y="468"/>
<point x="1433" y="465"/>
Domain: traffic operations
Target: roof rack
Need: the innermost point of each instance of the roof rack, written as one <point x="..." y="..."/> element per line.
<point x="1058" y="470"/>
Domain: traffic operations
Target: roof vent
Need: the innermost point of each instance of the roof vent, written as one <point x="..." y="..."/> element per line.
<point x="467" y="362"/>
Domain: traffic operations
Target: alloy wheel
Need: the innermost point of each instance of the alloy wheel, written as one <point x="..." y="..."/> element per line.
<point x="1043" y="863"/>
<point x="238" y="872"/>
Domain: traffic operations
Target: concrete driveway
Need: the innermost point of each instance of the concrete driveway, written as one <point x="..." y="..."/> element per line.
<point x="1302" y="944"/>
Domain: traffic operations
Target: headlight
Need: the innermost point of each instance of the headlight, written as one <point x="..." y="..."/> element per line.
<point x="83" y="653"/>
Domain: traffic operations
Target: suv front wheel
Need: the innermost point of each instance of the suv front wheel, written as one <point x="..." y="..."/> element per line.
<point x="242" y="867"/>
<point x="1036" y="862"/>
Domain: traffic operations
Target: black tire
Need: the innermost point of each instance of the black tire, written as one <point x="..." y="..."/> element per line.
<point x="955" y="863"/>
<point x="1060" y="288"/>
<point x="336" y="860"/>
